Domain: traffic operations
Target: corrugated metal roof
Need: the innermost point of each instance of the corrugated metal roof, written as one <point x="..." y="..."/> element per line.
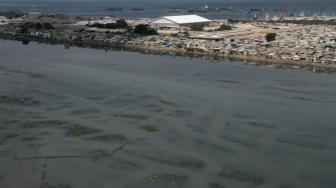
<point x="186" y="19"/>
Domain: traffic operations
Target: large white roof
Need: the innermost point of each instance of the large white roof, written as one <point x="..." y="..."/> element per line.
<point x="186" y="19"/>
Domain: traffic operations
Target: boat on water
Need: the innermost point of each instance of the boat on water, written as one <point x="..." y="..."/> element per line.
<point x="257" y="9"/>
<point x="197" y="10"/>
<point x="138" y="9"/>
<point x="175" y="10"/>
<point x="237" y="11"/>
<point x="202" y="9"/>
<point x="216" y="9"/>
<point x="114" y="9"/>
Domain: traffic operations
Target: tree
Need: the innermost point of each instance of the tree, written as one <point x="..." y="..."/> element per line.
<point x="143" y="29"/>
<point x="270" y="37"/>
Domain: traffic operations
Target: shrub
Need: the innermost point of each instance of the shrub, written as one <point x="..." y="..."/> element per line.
<point x="144" y="30"/>
<point x="120" y="24"/>
<point x="224" y="27"/>
<point x="197" y="27"/>
<point x="270" y="37"/>
<point x="37" y="26"/>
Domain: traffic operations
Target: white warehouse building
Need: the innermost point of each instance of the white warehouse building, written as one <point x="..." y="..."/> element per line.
<point x="178" y="21"/>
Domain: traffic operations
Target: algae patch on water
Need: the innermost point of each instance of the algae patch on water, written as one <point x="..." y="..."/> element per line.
<point x="111" y="138"/>
<point x="131" y="116"/>
<point x="55" y="123"/>
<point x="12" y="135"/>
<point x="243" y="176"/>
<point x="29" y="139"/>
<point x="75" y="130"/>
<point x="150" y="129"/>
<point x="168" y="179"/>
<point x="72" y="129"/>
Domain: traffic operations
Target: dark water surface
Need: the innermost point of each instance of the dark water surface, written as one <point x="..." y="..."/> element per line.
<point x="86" y="118"/>
<point x="157" y="8"/>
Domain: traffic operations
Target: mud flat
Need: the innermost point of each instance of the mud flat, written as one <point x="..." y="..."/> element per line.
<point x="84" y="118"/>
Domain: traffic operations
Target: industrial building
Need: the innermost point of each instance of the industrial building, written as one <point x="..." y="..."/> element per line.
<point x="178" y="21"/>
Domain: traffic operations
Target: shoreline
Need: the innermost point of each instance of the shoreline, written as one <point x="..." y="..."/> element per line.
<point x="253" y="60"/>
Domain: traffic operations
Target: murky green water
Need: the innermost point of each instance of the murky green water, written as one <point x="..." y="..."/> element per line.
<point x="85" y="118"/>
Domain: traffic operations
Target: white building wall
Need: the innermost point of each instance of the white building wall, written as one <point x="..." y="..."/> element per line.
<point x="163" y="23"/>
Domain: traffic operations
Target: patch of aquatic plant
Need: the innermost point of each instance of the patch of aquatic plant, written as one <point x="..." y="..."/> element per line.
<point x="84" y="111"/>
<point x="167" y="178"/>
<point x="14" y="100"/>
<point x="111" y="138"/>
<point x="29" y="139"/>
<point x="261" y="125"/>
<point x="75" y="130"/>
<point x="102" y="153"/>
<point x="305" y="141"/>
<point x="162" y="101"/>
<point x="318" y="179"/>
<point x="57" y="186"/>
<point x="181" y="113"/>
<point x="239" y="141"/>
<point x="99" y="154"/>
<point x="199" y="128"/>
<point x="12" y="135"/>
<point x="131" y="116"/>
<point x="150" y="129"/>
<point x="123" y="164"/>
<point x="172" y="160"/>
<point x="56" y="123"/>
<point x="216" y="185"/>
<point x="243" y="176"/>
<point x="72" y="129"/>
<point x="214" y="147"/>
<point x="43" y="124"/>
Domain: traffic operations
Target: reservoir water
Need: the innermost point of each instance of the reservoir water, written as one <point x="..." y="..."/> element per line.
<point x="84" y="118"/>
